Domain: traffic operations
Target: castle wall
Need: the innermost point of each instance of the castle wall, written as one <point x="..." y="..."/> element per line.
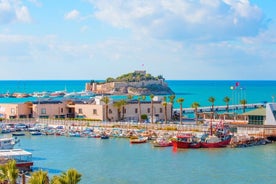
<point x="109" y="87"/>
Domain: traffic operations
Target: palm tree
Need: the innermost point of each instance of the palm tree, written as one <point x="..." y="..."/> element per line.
<point x="172" y="97"/>
<point x="39" y="177"/>
<point x="151" y="101"/>
<point x="106" y="100"/>
<point x="212" y="100"/>
<point x="227" y="100"/>
<point x="71" y="176"/>
<point x="129" y="97"/>
<point x="180" y="101"/>
<point x="243" y="102"/>
<point x="9" y="172"/>
<point x="118" y="106"/>
<point x="195" y="105"/>
<point x="123" y="103"/>
<point x="139" y="108"/>
<point x="165" y="104"/>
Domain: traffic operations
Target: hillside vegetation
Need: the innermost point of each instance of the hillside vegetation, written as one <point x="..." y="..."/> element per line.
<point x="134" y="77"/>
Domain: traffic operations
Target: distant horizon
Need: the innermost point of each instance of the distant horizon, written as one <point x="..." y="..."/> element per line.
<point x="165" y="80"/>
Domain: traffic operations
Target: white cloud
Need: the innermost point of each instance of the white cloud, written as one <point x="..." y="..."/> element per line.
<point x="72" y="15"/>
<point x="13" y="11"/>
<point x="22" y="14"/>
<point x="222" y="60"/>
<point x="178" y="19"/>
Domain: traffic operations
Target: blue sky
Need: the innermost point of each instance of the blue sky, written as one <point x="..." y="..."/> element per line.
<point x="179" y="39"/>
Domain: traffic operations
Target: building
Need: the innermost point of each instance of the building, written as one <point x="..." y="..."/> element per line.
<point x="94" y="109"/>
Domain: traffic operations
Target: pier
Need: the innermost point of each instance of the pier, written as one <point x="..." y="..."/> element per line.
<point x="222" y="108"/>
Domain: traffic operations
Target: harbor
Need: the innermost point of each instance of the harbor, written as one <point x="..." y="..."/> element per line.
<point x="101" y="149"/>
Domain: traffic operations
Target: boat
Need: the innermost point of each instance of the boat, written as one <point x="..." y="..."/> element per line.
<point x="186" y="140"/>
<point x="43" y="94"/>
<point x="58" y="93"/>
<point x="220" y="138"/>
<point x="35" y="133"/>
<point x="104" y="136"/>
<point x="162" y="142"/>
<point x="212" y="141"/>
<point x="23" y="158"/>
<point x="78" y="95"/>
<point x="139" y="140"/>
<point x="18" y="134"/>
<point x="8" y="143"/>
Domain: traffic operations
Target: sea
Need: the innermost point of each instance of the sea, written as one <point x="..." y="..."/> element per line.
<point x="116" y="161"/>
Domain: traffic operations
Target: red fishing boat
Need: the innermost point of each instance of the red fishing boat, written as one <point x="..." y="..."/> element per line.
<point x="220" y="138"/>
<point x="187" y="141"/>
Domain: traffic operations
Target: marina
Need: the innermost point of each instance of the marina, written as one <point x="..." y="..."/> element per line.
<point x="92" y="158"/>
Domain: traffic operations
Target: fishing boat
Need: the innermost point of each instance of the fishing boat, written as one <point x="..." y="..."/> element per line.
<point x="139" y="140"/>
<point x="213" y="141"/>
<point x="162" y="142"/>
<point x="218" y="138"/>
<point x="186" y="140"/>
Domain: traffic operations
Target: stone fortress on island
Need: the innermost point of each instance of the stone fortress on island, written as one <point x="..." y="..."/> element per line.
<point x="136" y="83"/>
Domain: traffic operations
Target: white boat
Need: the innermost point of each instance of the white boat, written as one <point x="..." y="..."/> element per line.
<point x="8" y="143"/>
<point x="43" y="94"/>
<point x="80" y="94"/>
<point x="58" y="93"/>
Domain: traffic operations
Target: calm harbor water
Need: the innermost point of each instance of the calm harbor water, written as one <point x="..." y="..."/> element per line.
<point x="116" y="161"/>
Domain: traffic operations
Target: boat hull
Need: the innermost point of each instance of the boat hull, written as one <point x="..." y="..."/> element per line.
<point x="179" y="144"/>
<point x="220" y="144"/>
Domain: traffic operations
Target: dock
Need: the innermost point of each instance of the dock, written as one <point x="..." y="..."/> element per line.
<point x="222" y="108"/>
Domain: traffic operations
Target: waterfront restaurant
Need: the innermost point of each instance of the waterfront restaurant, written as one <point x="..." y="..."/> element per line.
<point x="261" y="122"/>
<point x="94" y="109"/>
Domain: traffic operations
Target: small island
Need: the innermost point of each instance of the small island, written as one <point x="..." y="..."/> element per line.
<point x="135" y="83"/>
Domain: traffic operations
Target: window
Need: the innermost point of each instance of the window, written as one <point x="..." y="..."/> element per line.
<point x="109" y="111"/>
<point x="43" y="111"/>
<point x="136" y="110"/>
<point x="80" y="111"/>
<point x="61" y="110"/>
<point x="148" y="110"/>
<point x="12" y="111"/>
<point x="94" y="111"/>
<point x="161" y="110"/>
